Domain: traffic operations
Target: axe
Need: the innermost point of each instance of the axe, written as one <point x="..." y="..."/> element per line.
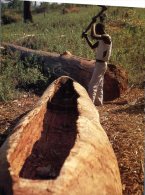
<point x="104" y="8"/>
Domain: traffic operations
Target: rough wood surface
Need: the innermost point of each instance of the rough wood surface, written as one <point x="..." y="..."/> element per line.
<point x="78" y="147"/>
<point x="80" y="69"/>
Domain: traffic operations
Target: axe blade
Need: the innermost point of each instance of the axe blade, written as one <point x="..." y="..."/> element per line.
<point x="103" y="7"/>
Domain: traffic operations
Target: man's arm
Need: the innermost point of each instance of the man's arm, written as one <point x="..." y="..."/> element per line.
<point x="93" y="46"/>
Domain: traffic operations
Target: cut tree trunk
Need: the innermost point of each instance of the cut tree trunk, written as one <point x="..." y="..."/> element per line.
<point x="80" y="69"/>
<point x="60" y="148"/>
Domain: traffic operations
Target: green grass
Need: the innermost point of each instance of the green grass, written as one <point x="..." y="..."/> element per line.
<point x="16" y="75"/>
<point x="57" y="33"/>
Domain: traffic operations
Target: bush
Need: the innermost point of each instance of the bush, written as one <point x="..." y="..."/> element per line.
<point x="29" y="42"/>
<point x="16" y="75"/>
<point x="10" y="17"/>
<point x="7" y="89"/>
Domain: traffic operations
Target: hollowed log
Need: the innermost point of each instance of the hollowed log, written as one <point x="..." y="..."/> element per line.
<point x="60" y="148"/>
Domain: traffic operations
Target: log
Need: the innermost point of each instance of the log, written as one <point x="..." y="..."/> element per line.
<point x="80" y="69"/>
<point x="60" y="148"/>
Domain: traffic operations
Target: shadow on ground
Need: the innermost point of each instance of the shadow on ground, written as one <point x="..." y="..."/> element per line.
<point x="132" y="108"/>
<point x="10" y="131"/>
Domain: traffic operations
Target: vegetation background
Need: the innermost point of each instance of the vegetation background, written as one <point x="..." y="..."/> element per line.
<point x="54" y="31"/>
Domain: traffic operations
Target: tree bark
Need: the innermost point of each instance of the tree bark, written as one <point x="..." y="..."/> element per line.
<point x="80" y="69"/>
<point x="27" y="12"/>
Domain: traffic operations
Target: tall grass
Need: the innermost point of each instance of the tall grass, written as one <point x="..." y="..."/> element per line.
<point x="56" y="32"/>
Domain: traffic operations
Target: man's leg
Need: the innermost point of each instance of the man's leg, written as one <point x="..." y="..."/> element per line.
<point x="95" y="89"/>
<point x="93" y="85"/>
<point x="99" y="94"/>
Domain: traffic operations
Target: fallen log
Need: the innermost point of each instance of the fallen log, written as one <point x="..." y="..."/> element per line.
<point x="60" y="148"/>
<point x="80" y="69"/>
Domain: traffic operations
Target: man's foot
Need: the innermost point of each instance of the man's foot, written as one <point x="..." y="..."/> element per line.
<point x="98" y="104"/>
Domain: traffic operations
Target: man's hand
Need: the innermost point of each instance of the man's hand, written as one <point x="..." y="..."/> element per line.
<point x="84" y="34"/>
<point x="94" y="19"/>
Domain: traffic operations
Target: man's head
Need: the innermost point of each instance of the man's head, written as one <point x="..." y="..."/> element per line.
<point x="98" y="29"/>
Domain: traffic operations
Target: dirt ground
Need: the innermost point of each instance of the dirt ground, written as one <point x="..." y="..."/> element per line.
<point x="123" y="121"/>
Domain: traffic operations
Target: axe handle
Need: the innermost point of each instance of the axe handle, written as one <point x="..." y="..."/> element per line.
<point x="104" y="8"/>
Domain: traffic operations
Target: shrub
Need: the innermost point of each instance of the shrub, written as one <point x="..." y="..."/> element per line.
<point x="9" y="17"/>
<point x="16" y="75"/>
<point x="7" y="89"/>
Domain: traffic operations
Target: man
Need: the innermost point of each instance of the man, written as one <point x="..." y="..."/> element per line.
<point x="102" y="48"/>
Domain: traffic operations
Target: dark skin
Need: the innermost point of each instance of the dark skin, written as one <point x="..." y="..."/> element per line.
<point x="93" y="46"/>
<point x="102" y="37"/>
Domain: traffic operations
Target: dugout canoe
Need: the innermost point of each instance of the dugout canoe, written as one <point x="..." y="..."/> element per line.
<point x="59" y="148"/>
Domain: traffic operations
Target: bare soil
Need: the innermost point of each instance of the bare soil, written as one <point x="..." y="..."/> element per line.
<point x="123" y="121"/>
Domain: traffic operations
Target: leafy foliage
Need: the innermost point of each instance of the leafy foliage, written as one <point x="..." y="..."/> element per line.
<point x="15" y="4"/>
<point x="18" y="74"/>
<point x="8" y="18"/>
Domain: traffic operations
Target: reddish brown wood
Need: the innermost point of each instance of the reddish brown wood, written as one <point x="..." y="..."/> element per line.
<point x="115" y="82"/>
<point x="60" y="148"/>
